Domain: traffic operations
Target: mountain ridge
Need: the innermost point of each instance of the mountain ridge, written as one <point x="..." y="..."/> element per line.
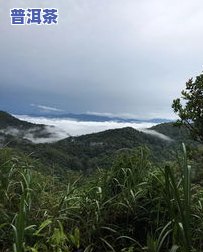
<point x="86" y="152"/>
<point x="96" y="118"/>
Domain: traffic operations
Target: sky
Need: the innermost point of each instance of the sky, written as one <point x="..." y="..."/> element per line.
<point x="122" y="57"/>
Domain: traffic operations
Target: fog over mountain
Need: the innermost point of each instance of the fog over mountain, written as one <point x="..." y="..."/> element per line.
<point x="68" y="127"/>
<point x="37" y="135"/>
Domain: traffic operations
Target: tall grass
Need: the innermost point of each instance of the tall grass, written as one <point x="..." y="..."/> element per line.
<point x="131" y="207"/>
<point x="20" y="219"/>
<point x="178" y="197"/>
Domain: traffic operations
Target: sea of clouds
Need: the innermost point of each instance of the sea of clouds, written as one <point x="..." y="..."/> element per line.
<point x="65" y="127"/>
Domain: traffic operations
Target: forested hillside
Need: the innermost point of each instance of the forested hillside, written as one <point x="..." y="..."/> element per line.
<point x="88" y="152"/>
<point x="118" y="190"/>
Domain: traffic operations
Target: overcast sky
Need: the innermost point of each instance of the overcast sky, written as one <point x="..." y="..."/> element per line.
<point x="104" y="56"/>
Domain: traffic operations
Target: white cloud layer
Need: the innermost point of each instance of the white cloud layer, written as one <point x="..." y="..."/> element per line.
<point x="157" y="134"/>
<point x="49" y="134"/>
<point x="67" y="127"/>
<point x="76" y="128"/>
<point x="46" y="108"/>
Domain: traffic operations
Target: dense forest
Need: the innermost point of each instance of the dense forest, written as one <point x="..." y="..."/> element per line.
<point x="117" y="190"/>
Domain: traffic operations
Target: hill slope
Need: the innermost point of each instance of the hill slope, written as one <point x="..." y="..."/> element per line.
<point x="88" y="151"/>
<point x="174" y="132"/>
<point x="7" y="120"/>
<point x="15" y="130"/>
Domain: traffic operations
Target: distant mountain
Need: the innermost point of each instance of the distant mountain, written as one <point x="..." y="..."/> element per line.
<point x="89" y="151"/>
<point x="174" y="132"/>
<point x="97" y="118"/>
<point x="7" y="120"/>
<point x="13" y="129"/>
<point x="100" y="148"/>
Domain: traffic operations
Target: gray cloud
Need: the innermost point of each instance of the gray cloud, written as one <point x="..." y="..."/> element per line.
<point x="110" y="56"/>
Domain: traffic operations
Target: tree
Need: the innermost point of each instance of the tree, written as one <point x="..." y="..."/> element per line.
<point x="191" y="111"/>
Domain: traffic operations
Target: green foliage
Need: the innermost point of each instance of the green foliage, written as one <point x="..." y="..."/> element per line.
<point x="133" y="206"/>
<point x="179" y="199"/>
<point x="86" y="153"/>
<point x="19" y="221"/>
<point x="57" y="199"/>
<point x="191" y="113"/>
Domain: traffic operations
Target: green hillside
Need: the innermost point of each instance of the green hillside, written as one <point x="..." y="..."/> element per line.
<point x="87" y="152"/>
<point x="142" y="198"/>
<point x="176" y="133"/>
<point x="7" y="120"/>
<point x="15" y="131"/>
